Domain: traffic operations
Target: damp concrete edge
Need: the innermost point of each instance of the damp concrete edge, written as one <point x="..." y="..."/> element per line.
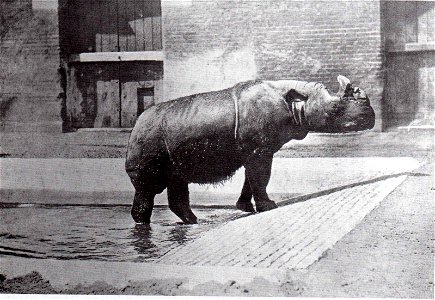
<point x="64" y="274"/>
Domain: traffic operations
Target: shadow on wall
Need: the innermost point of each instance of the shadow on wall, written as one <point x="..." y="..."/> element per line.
<point x="5" y="104"/>
<point x="212" y="70"/>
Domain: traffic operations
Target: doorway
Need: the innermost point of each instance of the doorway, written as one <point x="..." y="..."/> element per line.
<point x="145" y="99"/>
<point x="409" y="32"/>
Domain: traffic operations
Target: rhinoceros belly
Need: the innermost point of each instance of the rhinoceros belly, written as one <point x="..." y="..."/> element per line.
<point x="207" y="160"/>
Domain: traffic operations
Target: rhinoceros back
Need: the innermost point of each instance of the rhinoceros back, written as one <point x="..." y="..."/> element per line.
<point x="195" y="133"/>
<point x="199" y="131"/>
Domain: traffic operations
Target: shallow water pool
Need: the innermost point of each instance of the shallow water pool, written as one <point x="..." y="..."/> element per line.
<point x="99" y="233"/>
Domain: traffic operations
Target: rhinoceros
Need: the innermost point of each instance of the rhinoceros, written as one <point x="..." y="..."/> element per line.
<point x="205" y="138"/>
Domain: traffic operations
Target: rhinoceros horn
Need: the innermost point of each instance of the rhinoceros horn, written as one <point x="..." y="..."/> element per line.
<point x="344" y="84"/>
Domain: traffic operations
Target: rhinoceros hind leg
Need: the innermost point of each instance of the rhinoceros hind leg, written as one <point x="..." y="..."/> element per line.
<point x="258" y="171"/>
<point x="178" y="198"/>
<point x="146" y="186"/>
<point x="244" y="203"/>
<point x="142" y="209"/>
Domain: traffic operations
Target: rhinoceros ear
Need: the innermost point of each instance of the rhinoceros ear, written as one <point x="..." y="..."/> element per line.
<point x="343" y="81"/>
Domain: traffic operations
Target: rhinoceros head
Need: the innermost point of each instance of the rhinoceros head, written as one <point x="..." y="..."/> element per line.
<point x="348" y="110"/>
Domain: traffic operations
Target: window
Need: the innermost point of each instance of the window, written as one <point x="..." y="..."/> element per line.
<point x="110" y="26"/>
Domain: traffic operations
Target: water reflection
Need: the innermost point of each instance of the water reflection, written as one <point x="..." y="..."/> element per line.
<point x="179" y="234"/>
<point x="142" y="239"/>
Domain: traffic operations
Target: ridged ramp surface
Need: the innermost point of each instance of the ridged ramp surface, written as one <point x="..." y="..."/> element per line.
<point x="294" y="235"/>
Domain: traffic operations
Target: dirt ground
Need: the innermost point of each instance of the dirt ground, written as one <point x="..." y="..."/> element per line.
<point x="35" y="284"/>
<point x="389" y="254"/>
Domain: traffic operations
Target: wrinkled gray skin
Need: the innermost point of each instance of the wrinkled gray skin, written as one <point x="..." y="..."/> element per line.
<point x="197" y="139"/>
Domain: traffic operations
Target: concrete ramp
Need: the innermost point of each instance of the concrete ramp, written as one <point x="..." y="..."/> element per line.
<point x="293" y="236"/>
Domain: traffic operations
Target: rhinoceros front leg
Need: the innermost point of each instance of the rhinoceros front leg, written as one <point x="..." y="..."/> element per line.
<point x="178" y="198"/>
<point x="244" y="203"/>
<point x="258" y="170"/>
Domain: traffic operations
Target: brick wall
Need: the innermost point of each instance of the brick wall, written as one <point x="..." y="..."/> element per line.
<point x="213" y="44"/>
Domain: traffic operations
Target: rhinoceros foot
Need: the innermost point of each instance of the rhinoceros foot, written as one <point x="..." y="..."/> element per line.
<point x="265" y="205"/>
<point x="245" y="206"/>
<point x="141" y="214"/>
<point x="184" y="213"/>
<point x="190" y="218"/>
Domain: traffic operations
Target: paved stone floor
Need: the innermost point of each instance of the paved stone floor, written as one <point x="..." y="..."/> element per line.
<point x="293" y="236"/>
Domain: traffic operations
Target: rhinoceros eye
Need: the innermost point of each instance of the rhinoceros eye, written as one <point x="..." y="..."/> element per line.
<point x="359" y="94"/>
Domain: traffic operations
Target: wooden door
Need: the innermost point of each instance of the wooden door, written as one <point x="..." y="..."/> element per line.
<point x="120" y="92"/>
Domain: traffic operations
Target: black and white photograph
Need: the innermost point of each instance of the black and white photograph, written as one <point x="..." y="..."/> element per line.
<point x="259" y="148"/>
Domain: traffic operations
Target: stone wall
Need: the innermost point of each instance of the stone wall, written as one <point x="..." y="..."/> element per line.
<point x="29" y="59"/>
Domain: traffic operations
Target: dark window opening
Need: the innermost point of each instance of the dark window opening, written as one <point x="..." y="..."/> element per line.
<point x="145" y="99"/>
<point x="110" y="25"/>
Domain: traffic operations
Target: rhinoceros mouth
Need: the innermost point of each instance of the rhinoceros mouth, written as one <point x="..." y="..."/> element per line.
<point x="349" y="124"/>
<point x="365" y="120"/>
